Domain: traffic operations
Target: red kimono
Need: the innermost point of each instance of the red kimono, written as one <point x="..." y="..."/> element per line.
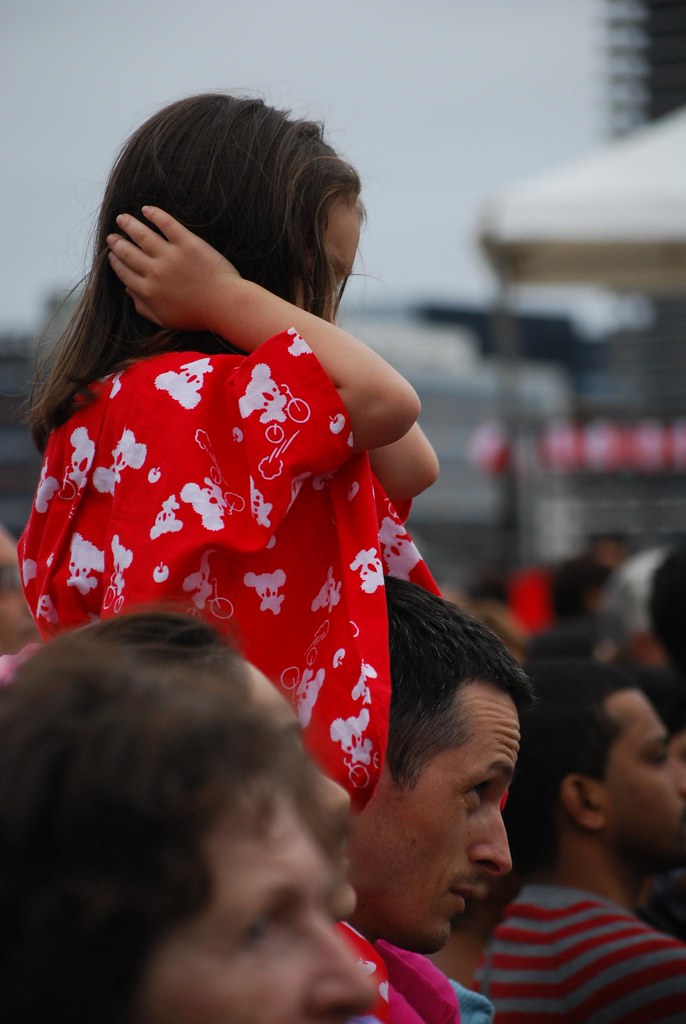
<point x="227" y="484"/>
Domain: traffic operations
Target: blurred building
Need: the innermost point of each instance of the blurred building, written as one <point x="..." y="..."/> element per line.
<point x="19" y="460"/>
<point x="646" y="55"/>
<point x="602" y="440"/>
<point x="646" y="60"/>
<point x="646" y="48"/>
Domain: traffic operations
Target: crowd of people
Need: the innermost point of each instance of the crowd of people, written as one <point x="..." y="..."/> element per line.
<point x="255" y="764"/>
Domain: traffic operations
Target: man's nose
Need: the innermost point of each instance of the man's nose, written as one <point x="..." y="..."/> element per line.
<point x="492" y="851"/>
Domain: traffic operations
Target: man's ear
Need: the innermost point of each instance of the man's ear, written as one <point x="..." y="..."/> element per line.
<point x="583" y="798"/>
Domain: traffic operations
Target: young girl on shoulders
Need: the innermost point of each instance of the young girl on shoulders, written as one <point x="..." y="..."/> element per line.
<point x="211" y="437"/>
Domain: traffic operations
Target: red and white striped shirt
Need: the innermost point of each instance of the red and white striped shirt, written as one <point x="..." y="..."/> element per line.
<point x="564" y="955"/>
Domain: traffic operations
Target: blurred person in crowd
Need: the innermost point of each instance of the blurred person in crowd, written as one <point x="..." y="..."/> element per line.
<point x="490" y="581"/>
<point x="160" y="851"/>
<point x="498" y="617"/>
<point x="598" y="806"/>
<point x="165" y="636"/>
<point x="608" y="549"/>
<point x="576" y="589"/>
<point x="664" y="903"/>
<point x="433" y="829"/>
<point x="17" y="627"/>
<point x="528" y="595"/>
<point x="667" y="603"/>
<point x="486" y="599"/>
<point x="626" y="612"/>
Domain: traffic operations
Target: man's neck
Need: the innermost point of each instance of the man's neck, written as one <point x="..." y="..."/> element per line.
<point x="600" y="874"/>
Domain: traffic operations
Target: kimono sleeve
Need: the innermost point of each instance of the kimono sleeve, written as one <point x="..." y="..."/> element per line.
<point x="292" y="425"/>
<point x="401" y="557"/>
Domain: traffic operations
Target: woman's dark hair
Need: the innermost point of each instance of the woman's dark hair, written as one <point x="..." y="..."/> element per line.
<point x="163" y="634"/>
<point x="113" y="769"/>
<point x="255" y="184"/>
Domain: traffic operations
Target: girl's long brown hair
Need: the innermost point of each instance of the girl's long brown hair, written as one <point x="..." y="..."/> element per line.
<point x="255" y="184"/>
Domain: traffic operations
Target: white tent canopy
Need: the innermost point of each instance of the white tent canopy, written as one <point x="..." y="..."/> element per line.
<point x="616" y="218"/>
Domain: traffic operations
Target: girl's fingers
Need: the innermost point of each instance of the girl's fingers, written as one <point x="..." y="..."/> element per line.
<point x="164" y="222"/>
<point x="147" y="240"/>
<point x="127" y="277"/>
<point x="130" y="280"/>
<point x="128" y="254"/>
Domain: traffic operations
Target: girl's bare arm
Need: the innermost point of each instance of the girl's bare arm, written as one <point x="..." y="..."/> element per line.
<point x="179" y="281"/>
<point x="406" y="467"/>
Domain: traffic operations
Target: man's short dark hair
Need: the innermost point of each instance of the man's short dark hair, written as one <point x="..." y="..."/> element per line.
<point x="437" y="649"/>
<point x="112" y="772"/>
<point x="667" y="604"/>
<point x="666" y="690"/>
<point x="569" y="730"/>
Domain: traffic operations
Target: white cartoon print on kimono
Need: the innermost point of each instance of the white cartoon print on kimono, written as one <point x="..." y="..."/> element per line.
<point x="227" y="485"/>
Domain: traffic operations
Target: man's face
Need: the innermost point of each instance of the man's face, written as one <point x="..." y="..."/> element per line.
<point x="264" y="950"/>
<point x="645" y="787"/>
<point x="416" y="854"/>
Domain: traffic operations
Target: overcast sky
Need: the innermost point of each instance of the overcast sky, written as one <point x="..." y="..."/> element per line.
<point x="437" y="103"/>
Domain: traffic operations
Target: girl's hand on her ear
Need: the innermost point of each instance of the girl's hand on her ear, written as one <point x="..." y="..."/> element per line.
<point x="180" y="282"/>
<point x="171" y="277"/>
